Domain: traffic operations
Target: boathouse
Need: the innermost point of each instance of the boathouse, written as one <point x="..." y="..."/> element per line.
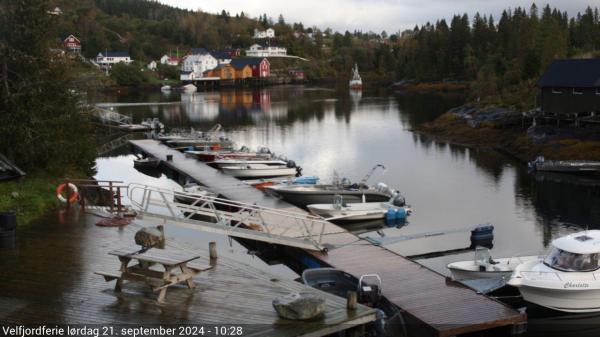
<point x="571" y="87"/>
<point x="261" y="68"/>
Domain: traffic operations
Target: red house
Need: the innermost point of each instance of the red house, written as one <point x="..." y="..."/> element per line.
<point x="261" y="68"/>
<point x="72" y="44"/>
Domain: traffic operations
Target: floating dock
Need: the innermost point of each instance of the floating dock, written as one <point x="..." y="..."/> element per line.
<point x="48" y="277"/>
<point x="439" y="306"/>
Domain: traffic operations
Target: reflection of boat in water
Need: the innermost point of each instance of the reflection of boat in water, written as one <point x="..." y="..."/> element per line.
<point x="566" y="280"/>
<point x="483" y="266"/>
<point x="355" y="81"/>
<point x="556" y="177"/>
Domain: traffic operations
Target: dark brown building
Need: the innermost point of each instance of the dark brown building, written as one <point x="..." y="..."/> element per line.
<point x="571" y="87"/>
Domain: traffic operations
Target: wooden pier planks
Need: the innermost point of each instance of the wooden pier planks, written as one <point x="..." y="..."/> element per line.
<point x="49" y="278"/>
<point x="446" y="307"/>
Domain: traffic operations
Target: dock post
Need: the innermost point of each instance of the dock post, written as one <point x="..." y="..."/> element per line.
<point x="212" y="248"/>
<point x="119" y="204"/>
<point x="112" y="196"/>
<point x="352" y="300"/>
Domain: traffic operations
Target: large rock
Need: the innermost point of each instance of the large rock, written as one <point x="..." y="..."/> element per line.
<point x="148" y="237"/>
<point x="299" y="306"/>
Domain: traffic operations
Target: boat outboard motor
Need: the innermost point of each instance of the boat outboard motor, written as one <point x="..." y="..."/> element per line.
<point x="244" y="149"/>
<point x="399" y="201"/>
<point x="298" y="171"/>
<point x="369" y="294"/>
<point x="291" y="164"/>
<point x="264" y="150"/>
<point x="346" y="182"/>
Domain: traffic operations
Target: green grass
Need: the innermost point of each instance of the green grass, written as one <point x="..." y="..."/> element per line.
<point x="30" y="196"/>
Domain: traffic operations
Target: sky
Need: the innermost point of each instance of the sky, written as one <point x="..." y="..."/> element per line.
<point x="370" y="15"/>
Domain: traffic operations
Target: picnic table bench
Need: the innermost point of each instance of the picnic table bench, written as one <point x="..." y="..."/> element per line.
<point x="158" y="268"/>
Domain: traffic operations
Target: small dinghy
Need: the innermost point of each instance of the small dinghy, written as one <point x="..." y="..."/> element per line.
<point x="484" y="266"/>
<point x="191" y="193"/>
<point x="260" y="170"/>
<point x="360" y="211"/>
<point x="339" y="283"/>
<point x="149" y="162"/>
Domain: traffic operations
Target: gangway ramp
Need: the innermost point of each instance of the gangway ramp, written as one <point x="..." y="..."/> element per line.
<point x="233" y="218"/>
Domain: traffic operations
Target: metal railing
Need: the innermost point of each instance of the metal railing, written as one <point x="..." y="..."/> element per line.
<point x="232" y="217"/>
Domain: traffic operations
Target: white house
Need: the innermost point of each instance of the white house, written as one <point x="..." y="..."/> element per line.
<point x="195" y="64"/>
<point x="257" y="50"/>
<point x="151" y="65"/>
<point x="108" y="59"/>
<point x="264" y="34"/>
<point x="170" y="60"/>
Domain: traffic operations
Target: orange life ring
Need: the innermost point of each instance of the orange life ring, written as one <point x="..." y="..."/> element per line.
<point x="72" y="197"/>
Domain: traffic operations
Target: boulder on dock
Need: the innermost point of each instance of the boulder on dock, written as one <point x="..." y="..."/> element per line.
<point x="149" y="237"/>
<point x="300" y="306"/>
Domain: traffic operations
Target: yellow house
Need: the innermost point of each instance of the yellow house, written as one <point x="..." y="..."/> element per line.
<point x="223" y="72"/>
<point x="243" y="72"/>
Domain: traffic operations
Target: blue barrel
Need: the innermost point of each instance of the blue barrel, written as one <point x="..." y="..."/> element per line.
<point x="390" y="216"/>
<point x="400" y="214"/>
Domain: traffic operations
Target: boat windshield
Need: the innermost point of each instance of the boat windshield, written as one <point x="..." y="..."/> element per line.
<point x="567" y="261"/>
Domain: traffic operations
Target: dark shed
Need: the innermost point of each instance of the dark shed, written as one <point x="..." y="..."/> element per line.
<point x="571" y="86"/>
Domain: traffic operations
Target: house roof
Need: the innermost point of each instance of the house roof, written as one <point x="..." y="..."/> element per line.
<point x="222" y="55"/>
<point x="572" y="73"/>
<point x="73" y="36"/>
<point x="115" y="54"/>
<point x="200" y="51"/>
<point x="243" y="61"/>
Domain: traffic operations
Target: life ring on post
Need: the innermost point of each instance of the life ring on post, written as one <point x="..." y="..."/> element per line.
<point x="72" y="197"/>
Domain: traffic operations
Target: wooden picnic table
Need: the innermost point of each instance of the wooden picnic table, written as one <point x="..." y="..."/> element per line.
<point x="158" y="268"/>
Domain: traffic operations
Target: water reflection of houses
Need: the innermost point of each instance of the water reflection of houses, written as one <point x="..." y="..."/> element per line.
<point x="201" y="106"/>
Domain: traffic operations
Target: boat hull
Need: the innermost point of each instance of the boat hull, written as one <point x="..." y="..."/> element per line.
<point x="566" y="300"/>
<point x="325" y="197"/>
<point x="259" y="173"/>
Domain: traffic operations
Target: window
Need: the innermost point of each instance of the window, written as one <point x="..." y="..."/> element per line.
<point x="567" y="261"/>
<point x="577" y="91"/>
<point x="556" y="91"/>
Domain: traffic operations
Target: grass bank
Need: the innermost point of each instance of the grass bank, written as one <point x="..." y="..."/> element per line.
<point x="30" y="197"/>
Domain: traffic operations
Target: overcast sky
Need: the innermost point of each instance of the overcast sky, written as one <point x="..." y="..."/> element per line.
<point x="374" y="15"/>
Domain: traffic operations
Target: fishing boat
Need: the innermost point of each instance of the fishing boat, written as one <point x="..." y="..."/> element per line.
<point x="260" y="170"/>
<point x="242" y="153"/>
<point x="261" y="184"/>
<point x="567" y="278"/>
<point x="148" y="162"/>
<point x="355" y="81"/>
<point x="484" y="266"/>
<point x="340" y="211"/>
<point x="204" y="144"/>
<point x="583" y="167"/>
<point x="304" y="195"/>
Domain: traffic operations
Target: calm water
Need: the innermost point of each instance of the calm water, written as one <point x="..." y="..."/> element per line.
<point x="449" y="187"/>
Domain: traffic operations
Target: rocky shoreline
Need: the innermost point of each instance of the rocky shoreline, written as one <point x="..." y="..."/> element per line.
<point x="508" y="131"/>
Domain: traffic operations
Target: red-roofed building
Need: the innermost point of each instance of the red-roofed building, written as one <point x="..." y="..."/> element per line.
<point x="72" y="44"/>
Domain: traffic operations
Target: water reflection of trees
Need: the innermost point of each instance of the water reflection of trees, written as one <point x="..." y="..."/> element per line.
<point x="416" y="109"/>
<point x="559" y="199"/>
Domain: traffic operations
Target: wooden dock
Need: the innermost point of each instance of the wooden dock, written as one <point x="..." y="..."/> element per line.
<point x="443" y="307"/>
<point x="48" y="277"/>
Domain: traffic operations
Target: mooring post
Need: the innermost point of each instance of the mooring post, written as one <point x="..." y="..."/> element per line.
<point x="351" y="300"/>
<point x="119" y="205"/>
<point x="112" y="196"/>
<point x="212" y="248"/>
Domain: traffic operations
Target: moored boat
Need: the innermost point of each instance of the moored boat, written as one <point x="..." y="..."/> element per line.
<point x="582" y="167"/>
<point x="260" y="170"/>
<point x="149" y="162"/>
<point x="340" y="211"/>
<point x="567" y="278"/>
<point x="191" y="193"/>
<point x="484" y="266"/>
<point x="355" y="82"/>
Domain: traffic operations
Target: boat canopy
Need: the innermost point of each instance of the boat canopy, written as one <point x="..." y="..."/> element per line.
<point x="586" y="242"/>
<point x="566" y="261"/>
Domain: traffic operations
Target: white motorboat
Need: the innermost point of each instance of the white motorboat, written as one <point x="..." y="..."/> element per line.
<point x="567" y="279"/>
<point x="483" y="266"/>
<point x="355" y="82"/>
<point x="165" y="88"/>
<point x="340" y="211"/>
<point x="219" y="163"/>
<point x="259" y="170"/>
<point x="150" y="162"/>
<point x="189" y="88"/>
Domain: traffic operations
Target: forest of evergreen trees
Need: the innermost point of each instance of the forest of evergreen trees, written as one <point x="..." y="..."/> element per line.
<point x="501" y="59"/>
